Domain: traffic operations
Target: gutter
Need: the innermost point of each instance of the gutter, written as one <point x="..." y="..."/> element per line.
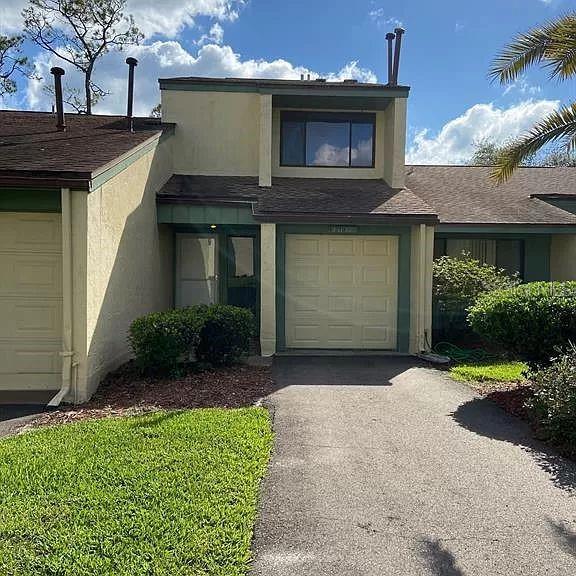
<point x="67" y="353"/>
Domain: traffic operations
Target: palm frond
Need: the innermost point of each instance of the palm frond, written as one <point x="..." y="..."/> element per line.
<point x="559" y="126"/>
<point x="552" y="45"/>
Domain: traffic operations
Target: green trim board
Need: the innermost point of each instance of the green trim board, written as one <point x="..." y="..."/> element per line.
<point x="30" y="200"/>
<point x="195" y="214"/>
<point x="506" y="229"/>
<point x="289" y="90"/>
<point x="566" y="204"/>
<point x="119" y="165"/>
<point x="404" y="263"/>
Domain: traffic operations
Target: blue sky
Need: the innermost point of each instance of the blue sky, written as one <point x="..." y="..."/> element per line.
<point x="447" y="52"/>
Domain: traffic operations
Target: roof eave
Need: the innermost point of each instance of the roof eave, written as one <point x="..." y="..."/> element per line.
<point x="338" y="218"/>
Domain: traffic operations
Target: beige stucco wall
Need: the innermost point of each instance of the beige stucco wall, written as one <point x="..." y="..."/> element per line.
<point x="221" y="134"/>
<point x="217" y="133"/>
<point x="563" y="257"/>
<point x="122" y="265"/>
<point x="421" y="260"/>
<point x="395" y="143"/>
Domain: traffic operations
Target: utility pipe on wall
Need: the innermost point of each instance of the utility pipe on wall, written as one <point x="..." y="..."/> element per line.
<point x="422" y="289"/>
<point x="67" y="353"/>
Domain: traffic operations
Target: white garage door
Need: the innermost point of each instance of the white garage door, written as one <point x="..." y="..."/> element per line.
<point x="30" y="301"/>
<point x="341" y="291"/>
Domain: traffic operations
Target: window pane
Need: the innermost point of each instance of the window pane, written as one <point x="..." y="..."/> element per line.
<point x="362" y="144"/>
<point x="327" y="144"/>
<point x="482" y="250"/>
<point x="293" y="143"/>
<point x="242" y="257"/>
<point x="509" y="256"/>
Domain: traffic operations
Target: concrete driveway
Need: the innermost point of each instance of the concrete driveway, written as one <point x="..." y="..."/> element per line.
<point x="384" y="467"/>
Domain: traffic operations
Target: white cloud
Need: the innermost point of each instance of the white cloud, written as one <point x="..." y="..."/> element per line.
<point x="523" y="87"/>
<point x="454" y="144"/>
<point x="163" y="17"/>
<point x="382" y="18"/>
<point x="215" y="36"/>
<point x="167" y="59"/>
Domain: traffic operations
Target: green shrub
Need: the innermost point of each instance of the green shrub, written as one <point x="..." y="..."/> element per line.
<point x="457" y="284"/>
<point x="554" y="400"/>
<point x="216" y="334"/>
<point x="461" y="280"/>
<point x="226" y="334"/>
<point x="531" y="321"/>
<point x="160" y="340"/>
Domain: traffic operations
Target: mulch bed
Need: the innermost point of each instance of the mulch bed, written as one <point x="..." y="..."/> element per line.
<point x="511" y="396"/>
<point x="126" y="392"/>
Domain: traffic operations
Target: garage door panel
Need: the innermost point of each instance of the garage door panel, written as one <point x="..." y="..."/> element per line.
<point x="30" y="301"/>
<point x="305" y="274"/>
<point x="378" y="247"/>
<point x="306" y="247"/>
<point x="341" y="247"/>
<point x="376" y="304"/>
<point x="30" y="232"/>
<point x="25" y="358"/>
<point x="30" y="274"/>
<point x="352" y="300"/>
<point x="341" y="275"/>
<point x="341" y="304"/>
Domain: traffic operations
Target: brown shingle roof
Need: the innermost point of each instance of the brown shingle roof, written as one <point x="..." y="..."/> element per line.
<point x="32" y="148"/>
<point x="311" y="199"/>
<point x="467" y="195"/>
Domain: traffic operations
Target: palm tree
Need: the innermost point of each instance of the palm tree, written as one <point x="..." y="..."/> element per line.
<point x="552" y="47"/>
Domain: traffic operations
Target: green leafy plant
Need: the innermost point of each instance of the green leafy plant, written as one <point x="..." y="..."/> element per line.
<point x="554" y="400"/>
<point x="552" y="47"/>
<point x="217" y="334"/>
<point x="531" y="321"/>
<point x="458" y="281"/>
<point x="162" y="339"/>
<point x="225" y="335"/>
<point x="462" y="279"/>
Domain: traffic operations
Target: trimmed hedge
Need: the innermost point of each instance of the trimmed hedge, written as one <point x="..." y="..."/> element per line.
<point x="554" y="400"/>
<point x="217" y="334"/>
<point x="225" y="335"/>
<point x="531" y="321"/>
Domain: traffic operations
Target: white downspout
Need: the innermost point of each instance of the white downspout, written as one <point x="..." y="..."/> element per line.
<point x="67" y="353"/>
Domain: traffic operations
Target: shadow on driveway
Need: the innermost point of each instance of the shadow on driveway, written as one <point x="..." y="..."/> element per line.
<point x="440" y="560"/>
<point x="340" y="370"/>
<point x="484" y="417"/>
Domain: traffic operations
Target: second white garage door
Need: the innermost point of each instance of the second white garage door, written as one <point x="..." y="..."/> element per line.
<point x="341" y="292"/>
<point x="30" y="301"/>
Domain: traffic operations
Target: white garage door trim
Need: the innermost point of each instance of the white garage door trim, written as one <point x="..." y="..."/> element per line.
<point x="30" y="301"/>
<point x="341" y="292"/>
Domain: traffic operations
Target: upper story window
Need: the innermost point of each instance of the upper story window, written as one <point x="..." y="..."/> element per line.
<point x="327" y="139"/>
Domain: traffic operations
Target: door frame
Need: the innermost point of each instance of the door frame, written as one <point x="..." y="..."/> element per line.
<point x="223" y="232"/>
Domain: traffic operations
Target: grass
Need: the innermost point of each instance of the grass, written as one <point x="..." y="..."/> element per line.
<point x="494" y="371"/>
<point x="169" y="493"/>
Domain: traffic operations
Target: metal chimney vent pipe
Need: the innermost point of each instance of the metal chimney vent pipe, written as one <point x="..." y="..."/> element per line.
<point x="58" y="73"/>
<point x="399" y="32"/>
<point x="390" y="38"/>
<point x="132" y="63"/>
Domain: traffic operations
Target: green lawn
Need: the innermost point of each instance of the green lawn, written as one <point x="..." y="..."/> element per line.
<point x="494" y="371"/>
<point x="170" y="493"/>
